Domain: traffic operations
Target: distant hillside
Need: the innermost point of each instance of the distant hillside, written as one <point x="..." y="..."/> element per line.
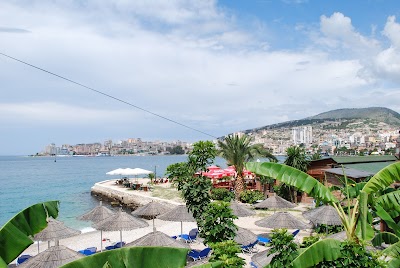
<point x="378" y="114"/>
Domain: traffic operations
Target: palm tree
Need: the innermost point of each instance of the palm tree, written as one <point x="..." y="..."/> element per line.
<point x="297" y="158"/>
<point x="237" y="150"/>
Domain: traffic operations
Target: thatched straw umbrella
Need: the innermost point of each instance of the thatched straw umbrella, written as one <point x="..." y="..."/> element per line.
<point x="179" y="213"/>
<point x="52" y="257"/>
<point x="151" y="210"/>
<point x="323" y="215"/>
<point x="282" y="220"/>
<point x="55" y="230"/>
<point x="120" y="221"/>
<point x="241" y="210"/>
<point x="275" y="202"/>
<point x="244" y="236"/>
<point x="261" y="259"/>
<point x="159" y="239"/>
<point x="97" y="214"/>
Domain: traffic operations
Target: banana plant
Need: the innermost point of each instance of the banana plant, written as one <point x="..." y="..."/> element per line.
<point x="357" y="216"/>
<point x="15" y="235"/>
<point x="159" y="257"/>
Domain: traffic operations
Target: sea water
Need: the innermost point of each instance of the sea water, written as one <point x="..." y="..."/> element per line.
<point x="25" y="181"/>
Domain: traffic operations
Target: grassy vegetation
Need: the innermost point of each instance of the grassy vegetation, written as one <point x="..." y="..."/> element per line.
<point x="169" y="193"/>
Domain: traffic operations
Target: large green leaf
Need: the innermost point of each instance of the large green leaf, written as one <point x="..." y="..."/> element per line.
<point x="323" y="250"/>
<point x="293" y="177"/>
<point x="384" y="237"/>
<point x="394" y="263"/>
<point x="383" y="178"/>
<point x="393" y="250"/>
<point x="14" y="235"/>
<point x="387" y="218"/>
<point x="157" y="257"/>
<point x="389" y="201"/>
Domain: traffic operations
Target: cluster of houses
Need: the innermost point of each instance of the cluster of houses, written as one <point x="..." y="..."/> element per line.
<point x="330" y="171"/>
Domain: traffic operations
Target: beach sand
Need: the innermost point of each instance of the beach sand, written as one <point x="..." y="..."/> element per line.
<point x="92" y="239"/>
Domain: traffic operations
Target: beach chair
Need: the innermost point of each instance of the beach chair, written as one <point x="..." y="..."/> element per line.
<point x="88" y="251"/>
<point x="194" y="255"/>
<point x="116" y="245"/>
<point x="174" y="237"/>
<point x="22" y="259"/>
<point x="191" y="237"/>
<point x="250" y="248"/>
<point x="253" y="265"/>
<point x="295" y="232"/>
<point x="204" y="253"/>
<point x="263" y="240"/>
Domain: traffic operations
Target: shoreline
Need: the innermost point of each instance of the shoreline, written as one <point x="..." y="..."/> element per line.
<point x="109" y="191"/>
<point x="133" y="198"/>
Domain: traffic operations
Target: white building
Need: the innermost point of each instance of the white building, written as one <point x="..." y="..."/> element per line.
<point x="302" y="135"/>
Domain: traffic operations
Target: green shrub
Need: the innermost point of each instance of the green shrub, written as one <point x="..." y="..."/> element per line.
<point x="217" y="225"/>
<point x="222" y="194"/>
<point x="328" y="229"/>
<point x="283" y="246"/>
<point x="249" y="196"/>
<point x="309" y="240"/>
<point x="226" y="252"/>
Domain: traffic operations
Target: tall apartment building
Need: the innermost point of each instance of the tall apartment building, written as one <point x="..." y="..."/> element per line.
<point x="302" y="135"/>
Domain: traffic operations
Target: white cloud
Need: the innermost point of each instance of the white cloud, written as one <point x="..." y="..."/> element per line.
<point x="190" y="61"/>
<point x="339" y="32"/>
<point x="392" y="31"/>
<point x="48" y="113"/>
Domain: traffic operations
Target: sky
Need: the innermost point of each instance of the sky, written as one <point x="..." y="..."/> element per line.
<point x="216" y="67"/>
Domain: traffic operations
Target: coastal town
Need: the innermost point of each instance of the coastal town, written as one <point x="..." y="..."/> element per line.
<point x="338" y="137"/>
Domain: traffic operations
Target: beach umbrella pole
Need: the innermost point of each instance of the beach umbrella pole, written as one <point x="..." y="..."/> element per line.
<point x="154" y="227"/>
<point x="101" y="240"/>
<point x="120" y="236"/>
<point x="38" y="247"/>
<point x="181" y="230"/>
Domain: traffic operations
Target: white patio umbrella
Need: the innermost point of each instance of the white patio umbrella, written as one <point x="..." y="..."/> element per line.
<point x="135" y="171"/>
<point x="117" y="171"/>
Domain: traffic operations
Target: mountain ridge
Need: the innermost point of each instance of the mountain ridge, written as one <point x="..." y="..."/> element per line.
<point x="379" y="114"/>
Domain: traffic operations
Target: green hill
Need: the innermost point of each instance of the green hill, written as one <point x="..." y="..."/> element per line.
<point x="380" y="114"/>
<point x="373" y="114"/>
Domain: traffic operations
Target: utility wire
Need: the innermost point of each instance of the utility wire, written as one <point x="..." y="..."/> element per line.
<point x="107" y="95"/>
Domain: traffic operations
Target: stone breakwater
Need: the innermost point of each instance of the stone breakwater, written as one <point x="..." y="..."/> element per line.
<point x="119" y="195"/>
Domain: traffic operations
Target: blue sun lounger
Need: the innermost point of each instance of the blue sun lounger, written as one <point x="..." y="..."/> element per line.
<point x="88" y="251"/>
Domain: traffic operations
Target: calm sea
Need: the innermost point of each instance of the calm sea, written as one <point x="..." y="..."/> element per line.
<point x="25" y="181"/>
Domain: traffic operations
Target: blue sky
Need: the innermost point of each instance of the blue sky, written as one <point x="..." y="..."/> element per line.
<point x="217" y="66"/>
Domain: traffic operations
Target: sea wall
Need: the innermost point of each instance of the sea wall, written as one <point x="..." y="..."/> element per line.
<point x="108" y="191"/>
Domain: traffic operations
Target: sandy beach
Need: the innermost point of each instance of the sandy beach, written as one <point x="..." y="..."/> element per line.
<point x="92" y="239"/>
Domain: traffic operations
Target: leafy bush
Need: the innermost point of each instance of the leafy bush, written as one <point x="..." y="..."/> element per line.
<point x="353" y="255"/>
<point x="222" y="194"/>
<point x="328" y="229"/>
<point x="308" y="241"/>
<point x="217" y="225"/>
<point x="283" y="246"/>
<point x="226" y="252"/>
<point x="249" y="196"/>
